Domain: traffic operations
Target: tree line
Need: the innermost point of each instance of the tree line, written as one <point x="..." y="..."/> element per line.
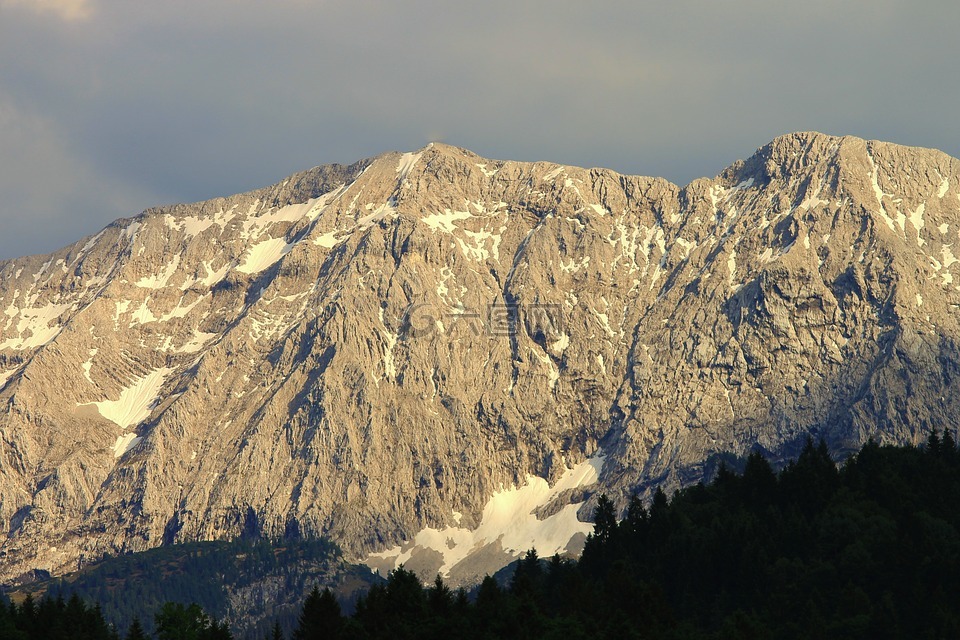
<point x="866" y="549"/>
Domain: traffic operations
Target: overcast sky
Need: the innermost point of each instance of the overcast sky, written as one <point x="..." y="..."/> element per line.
<point x="108" y="107"/>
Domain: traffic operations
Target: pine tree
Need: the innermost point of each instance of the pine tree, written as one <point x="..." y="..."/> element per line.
<point x="320" y="616"/>
<point x="948" y="445"/>
<point x="461" y="602"/>
<point x="659" y="506"/>
<point x="636" y="515"/>
<point x="136" y="632"/>
<point x="27" y="617"/>
<point x="933" y="443"/>
<point x="440" y="598"/>
<point x="178" y="622"/>
<point x="527" y="582"/>
<point x="7" y="628"/>
<point x="217" y="631"/>
<point x="277" y="632"/>
<point x="759" y="481"/>
<point x="604" y="519"/>
<point x="489" y="595"/>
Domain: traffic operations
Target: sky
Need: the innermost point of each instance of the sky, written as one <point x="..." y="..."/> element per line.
<point x="108" y="107"/>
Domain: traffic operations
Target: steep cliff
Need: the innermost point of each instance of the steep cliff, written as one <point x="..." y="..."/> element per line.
<point x="438" y="358"/>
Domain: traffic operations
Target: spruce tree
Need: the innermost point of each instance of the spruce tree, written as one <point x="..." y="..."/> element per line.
<point x="136" y="632"/>
<point x="277" y="632"/>
<point x="604" y="518"/>
<point x="636" y="515"/>
<point x="948" y="445"/>
<point x="440" y="598"/>
<point x="933" y="443"/>
<point x="178" y="622"/>
<point x="320" y="617"/>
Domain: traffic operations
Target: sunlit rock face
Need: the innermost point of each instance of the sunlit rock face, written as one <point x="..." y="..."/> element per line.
<point x="440" y="359"/>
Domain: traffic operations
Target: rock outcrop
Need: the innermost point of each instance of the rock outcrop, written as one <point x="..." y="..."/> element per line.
<point x="436" y="358"/>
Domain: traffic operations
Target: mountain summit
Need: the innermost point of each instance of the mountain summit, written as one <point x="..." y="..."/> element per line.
<point x="439" y="359"/>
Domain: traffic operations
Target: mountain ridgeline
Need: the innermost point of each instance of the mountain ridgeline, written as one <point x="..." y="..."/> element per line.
<point x="441" y="360"/>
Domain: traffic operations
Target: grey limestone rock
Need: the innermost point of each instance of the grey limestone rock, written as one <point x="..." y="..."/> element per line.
<point x="374" y="351"/>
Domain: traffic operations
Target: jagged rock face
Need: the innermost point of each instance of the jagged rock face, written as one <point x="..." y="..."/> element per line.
<point x="374" y="351"/>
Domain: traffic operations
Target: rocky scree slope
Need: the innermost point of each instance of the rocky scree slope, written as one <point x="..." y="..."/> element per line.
<point x="437" y="359"/>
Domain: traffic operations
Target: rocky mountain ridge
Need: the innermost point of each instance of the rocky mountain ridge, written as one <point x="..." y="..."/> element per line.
<point x="437" y="359"/>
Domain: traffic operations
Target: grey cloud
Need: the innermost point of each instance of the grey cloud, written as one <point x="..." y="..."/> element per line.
<point x="68" y="10"/>
<point x="180" y="100"/>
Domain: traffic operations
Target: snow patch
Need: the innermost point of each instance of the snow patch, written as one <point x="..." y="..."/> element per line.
<point x="265" y="325"/>
<point x="390" y="339"/>
<point x="195" y="226"/>
<point x="136" y="401"/>
<point x="878" y="192"/>
<point x="329" y="240"/>
<point x="379" y="213"/>
<point x="487" y="172"/>
<point x="254" y="226"/>
<point x="442" y="289"/>
<point x="181" y="311"/>
<point x="916" y="219"/>
<point x="130" y="231"/>
<point x="5" y="377"/>
<point x="561" y="343"/>
<point x="143" y="315"/>
<point x="948" y="257"/>
<point x="87" y="246"/>
<point x="812" y="202"/>
<point x="599" y="209"/>
<point x="122" y="307"/>
<point x="478" y="250"/>
<point x="37" y="323"/>
<point x="406" y="163"/>
<point x="264" y="255"/>
<point x="124" y="443"/>
<point x="550" y="175"/>
<point x="687" y="247"/>
<point x="214" y="276"/>
<point x="88" y="365"/>
<point x="573" y="265"/>
<point x="192" y="226"/>
<point x="604" y="321"/>
<point x="716" y="192"/>
<point x="552" y="374"/>
<point x="569" y="184"/>
<point x="445" y="221"/>
<point x="944" y="187"/>
<point x="509" y="518"/>
<point x="158" y="281"/>
<point x="875" y="180"/>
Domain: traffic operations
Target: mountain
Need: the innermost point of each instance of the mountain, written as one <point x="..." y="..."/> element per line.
<point x="439" y="359"/>
<point x="249" y="585"/>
